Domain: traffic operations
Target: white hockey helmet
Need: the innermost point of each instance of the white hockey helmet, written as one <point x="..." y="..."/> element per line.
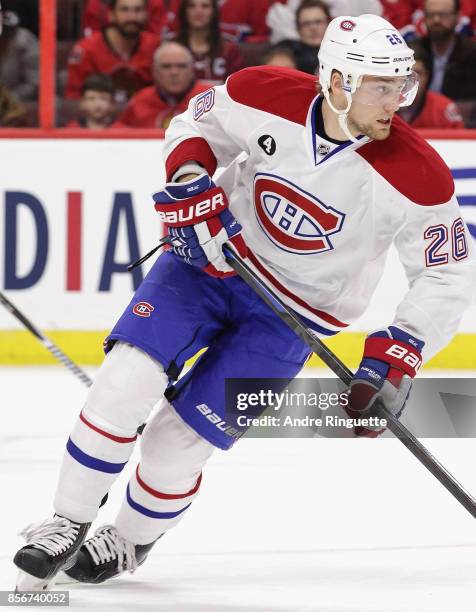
<point x="365" y="45"/>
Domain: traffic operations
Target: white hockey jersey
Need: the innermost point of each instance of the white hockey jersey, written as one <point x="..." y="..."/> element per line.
<point x="320" y="217"/>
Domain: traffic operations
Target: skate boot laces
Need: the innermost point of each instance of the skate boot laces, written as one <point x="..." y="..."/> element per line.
<point x="53" y="535"/>
<point x="107" y="545"/>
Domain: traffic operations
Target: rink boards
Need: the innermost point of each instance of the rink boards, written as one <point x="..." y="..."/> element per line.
<point x="76" y="212"/>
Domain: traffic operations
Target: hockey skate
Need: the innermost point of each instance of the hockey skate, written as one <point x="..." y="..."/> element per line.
<point x="106" y="555"/>
<point x="52" y="545"/>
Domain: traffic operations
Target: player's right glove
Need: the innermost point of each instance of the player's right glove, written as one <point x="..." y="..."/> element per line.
<point x="391" y="359"/>
<point x="199" y="223"/>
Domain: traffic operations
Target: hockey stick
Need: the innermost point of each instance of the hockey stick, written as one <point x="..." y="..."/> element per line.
<point x="293" y="321"/>
<point x="53" y="349"/>
<point x="164" y="241"/>
<point x="46" y="342"/>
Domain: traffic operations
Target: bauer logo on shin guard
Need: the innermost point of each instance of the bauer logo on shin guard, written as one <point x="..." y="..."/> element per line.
<point x="143" y="309"/>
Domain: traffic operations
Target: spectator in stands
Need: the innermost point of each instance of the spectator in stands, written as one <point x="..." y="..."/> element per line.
<point x="430" y="109"/>
<point x="452" y="55"/>
<point x="399" y="13"/>
<point x="468" y="11"/>
<point x="96" y="16"/>
<point x="281" y="18"/>
<point x="280" y="55"/>
<point x="96" y="107"/>
<point x="215" y="57"/>
<point x="12" y="112"/>
<point x="245" y="19"/>
<point x="242" y="20"/>
<point x="175" y="85"/>
<point x="19" y="59"/>
<point x="122" y="50"/>
<point x="312" y="19"/>
<point x="27" y="11"/>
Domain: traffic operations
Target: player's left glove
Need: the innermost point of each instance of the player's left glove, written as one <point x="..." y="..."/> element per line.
<point x="199" y="223"/>
<point x="391" y="359"/>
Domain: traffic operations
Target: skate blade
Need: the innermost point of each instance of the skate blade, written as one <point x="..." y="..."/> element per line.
<point x="27" y="582"/>
<point x="63" y="578"/>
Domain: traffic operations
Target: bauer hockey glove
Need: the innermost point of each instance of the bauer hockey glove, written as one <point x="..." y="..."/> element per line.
<point x="199" y="223"/>
<point x="390" y="362"/>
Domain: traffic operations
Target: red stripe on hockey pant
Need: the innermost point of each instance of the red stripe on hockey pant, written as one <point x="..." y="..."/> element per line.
<point x="73" y="256"/>
<point x="319" y="313"/>
<point x="106" y="434"/>
<point x="160" y="495"/>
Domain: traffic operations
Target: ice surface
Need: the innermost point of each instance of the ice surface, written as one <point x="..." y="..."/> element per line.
<point x="287" y="525"/>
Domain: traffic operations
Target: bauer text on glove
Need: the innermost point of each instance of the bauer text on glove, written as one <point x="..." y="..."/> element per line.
<point x="199" y="223"/>
<point x="391" y="360"/>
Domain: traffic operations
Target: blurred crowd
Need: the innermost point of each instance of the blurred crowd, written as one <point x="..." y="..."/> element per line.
<point x="137" y="63"/>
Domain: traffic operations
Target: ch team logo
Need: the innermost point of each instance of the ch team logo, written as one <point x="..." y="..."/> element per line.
<point x="294" y="220"/>
<point x="347" y="25"/>
<point x="203" y="103"/>
<point x="143" y="309"/>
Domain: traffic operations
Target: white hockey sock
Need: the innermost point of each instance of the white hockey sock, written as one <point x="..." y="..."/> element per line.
<point x="166" y="481"/>
<point x="126" y="388"/>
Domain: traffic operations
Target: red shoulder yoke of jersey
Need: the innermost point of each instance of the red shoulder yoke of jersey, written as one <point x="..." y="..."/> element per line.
<point x="284" y="92"/>
<point x="410" y="165"/>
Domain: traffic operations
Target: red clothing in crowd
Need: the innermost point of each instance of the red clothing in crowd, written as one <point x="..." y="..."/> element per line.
<point x="468" y="9"/>
<point x="399" y="12"/>
<point x="404" y="13"/>
<point x="438" y="112"/>
<point x="245" y="19"/>
<point x="95" y="16"/>
<point x="228" y="60"/>
<point x="94" y="54"/>
<point x="148" y="109"/>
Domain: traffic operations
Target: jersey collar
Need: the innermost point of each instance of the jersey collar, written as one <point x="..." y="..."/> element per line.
<point x="315" y="112"/>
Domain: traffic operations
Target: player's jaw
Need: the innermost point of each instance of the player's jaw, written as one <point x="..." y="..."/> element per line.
<point x="375" y="124"/>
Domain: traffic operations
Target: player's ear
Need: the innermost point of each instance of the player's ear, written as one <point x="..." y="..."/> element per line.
<point x="336" y="82"/>
<point x="337" y="89"/>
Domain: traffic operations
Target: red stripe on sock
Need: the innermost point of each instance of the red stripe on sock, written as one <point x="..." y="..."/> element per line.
<point x="167" y="495"/>
<point x="105" y="433"/>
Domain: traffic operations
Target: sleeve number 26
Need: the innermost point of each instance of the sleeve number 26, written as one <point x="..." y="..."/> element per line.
<point x="435" y="253"/>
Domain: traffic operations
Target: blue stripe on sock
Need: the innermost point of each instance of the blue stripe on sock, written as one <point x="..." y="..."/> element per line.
<point x="151" y="513"/>
<point x="92" y="462"/>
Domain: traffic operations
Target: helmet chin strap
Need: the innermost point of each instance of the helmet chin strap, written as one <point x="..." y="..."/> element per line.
<point x="342" y="114"/>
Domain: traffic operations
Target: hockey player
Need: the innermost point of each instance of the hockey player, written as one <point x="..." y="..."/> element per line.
<point x="317" y="189"/>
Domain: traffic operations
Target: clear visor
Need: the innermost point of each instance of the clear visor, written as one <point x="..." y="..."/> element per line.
<point x="387" y="91"/>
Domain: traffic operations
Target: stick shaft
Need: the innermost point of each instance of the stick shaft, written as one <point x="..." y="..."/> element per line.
<point x="46" y="342"/>
<point x="342" y="371"/>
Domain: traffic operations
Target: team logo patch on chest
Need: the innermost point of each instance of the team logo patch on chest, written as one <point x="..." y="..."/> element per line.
<point x="294" y="220"/>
